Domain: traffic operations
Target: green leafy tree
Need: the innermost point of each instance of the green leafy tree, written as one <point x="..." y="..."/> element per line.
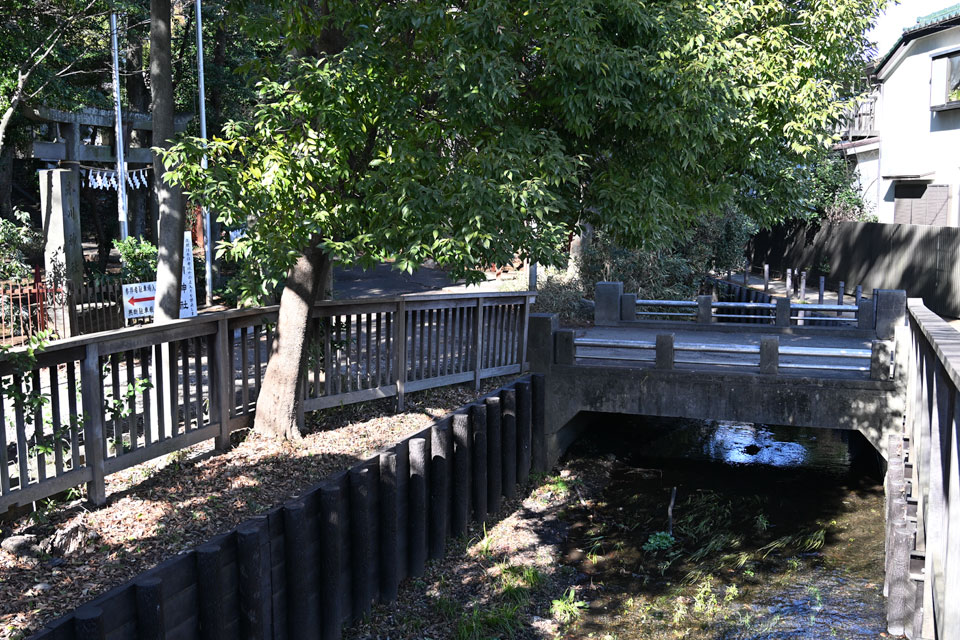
<point x="49" y="46"/>
<point x="467" y="133"/>
<point x="834" y="194"/>
<point x="18" y="242"/>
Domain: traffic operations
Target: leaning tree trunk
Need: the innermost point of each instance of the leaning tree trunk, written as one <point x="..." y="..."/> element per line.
<point x="279" y="411"/>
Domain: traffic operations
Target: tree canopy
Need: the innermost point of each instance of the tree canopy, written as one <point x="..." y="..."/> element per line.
<point x="466" y="132"/>
<point x="470" y="132"/>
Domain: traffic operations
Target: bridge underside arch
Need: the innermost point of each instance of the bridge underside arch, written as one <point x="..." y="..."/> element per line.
<point x="573" y="392"/>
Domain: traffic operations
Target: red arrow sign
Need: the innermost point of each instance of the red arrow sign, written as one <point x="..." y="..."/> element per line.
<point x="133" y="300"/>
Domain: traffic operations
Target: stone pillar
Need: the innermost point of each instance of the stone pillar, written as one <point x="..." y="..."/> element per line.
<point x="540" y="341"/>
<point x="664" y="351"/>
<point x="783" y="312"/>
<point x="607" y="303"/>
<point x="628" y="307"/>
<point x="565" y="351"/>
<point x="62" y="251"/>
<point x="865" y="317"/>
<point x="704" y="309"/>
<point x="891" y="311"/>
<point x="60" y="204"/>
<point x="880" y="352"/>
<point x="769" y="355"/>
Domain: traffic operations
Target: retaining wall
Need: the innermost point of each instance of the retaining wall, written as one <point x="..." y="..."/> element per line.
<point x="325" y="557"/>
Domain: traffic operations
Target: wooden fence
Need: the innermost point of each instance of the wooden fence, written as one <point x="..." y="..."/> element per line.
<point x="324" y="558"/>
<point x="920" y="259"/>
<point x="97" y="404"/>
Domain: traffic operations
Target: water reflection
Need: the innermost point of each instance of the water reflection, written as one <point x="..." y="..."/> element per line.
<point x="740" y="444"/>
<point x="749" y="444"/>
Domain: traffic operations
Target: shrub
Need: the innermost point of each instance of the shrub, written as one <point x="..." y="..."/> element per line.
<point x="18" y="243"/>
<point x="562" y="294"/>
<point x="138" y="259"/>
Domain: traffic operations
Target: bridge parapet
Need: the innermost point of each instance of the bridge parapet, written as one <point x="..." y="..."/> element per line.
<point x="886" y="310"/>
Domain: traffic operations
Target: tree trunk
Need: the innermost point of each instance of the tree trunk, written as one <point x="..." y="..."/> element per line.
<point x="172" y="218"/>
<point x="279" y="405"/>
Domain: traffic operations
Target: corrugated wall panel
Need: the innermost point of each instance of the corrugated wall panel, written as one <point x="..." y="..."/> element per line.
<point x="922" y="259"/>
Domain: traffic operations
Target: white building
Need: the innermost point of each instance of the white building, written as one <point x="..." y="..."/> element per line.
<point x="905" y="140"/>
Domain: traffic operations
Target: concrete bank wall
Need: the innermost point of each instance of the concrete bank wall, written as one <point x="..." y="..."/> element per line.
<point x="870" y="407"/>
<point x="324" y="558"/>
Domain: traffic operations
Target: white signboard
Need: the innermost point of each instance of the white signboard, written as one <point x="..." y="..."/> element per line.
<point x="188" y="286"/>
<point x="139" y="297"/>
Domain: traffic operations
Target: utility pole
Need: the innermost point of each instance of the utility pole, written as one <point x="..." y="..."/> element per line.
<point x="118" y="132"/>
<point x="208" y="240"/>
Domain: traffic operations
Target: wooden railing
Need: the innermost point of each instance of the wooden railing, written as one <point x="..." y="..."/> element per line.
<point x="100" y="403"/>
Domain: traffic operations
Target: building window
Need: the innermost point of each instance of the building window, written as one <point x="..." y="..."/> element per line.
<point x="953" y="81"/>
<point x="919" y="203"/>
<point x="945" y="82"/>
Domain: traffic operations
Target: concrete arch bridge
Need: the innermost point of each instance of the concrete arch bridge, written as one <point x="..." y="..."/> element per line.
<point x="885" y="366"/>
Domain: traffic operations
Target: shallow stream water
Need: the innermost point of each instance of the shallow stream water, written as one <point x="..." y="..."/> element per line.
<point x="774" y="533"/>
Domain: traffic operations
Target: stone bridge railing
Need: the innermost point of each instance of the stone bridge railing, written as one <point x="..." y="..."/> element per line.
<point x="909" y="411"/>
<point x="613" y="307"/>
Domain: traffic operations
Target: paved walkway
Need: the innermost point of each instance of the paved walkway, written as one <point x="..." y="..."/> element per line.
<point x="826" y="366"/>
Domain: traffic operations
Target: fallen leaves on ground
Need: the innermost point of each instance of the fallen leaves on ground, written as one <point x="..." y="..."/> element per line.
<point x="172" y="504"/>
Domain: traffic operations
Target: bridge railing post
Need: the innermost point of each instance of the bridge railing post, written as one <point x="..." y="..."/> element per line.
<point x="880" y="360"/>
<point x="865" y="315"/>
<point x="891" y="311"/>
<point x="628" y="307"/>
<point x="665" y="351"/>
<point x="540" y="341"/>
<point x="564" y="348"/>
<point x="783" y="312"/>
<point x="769" y="355"/>
<point x="607" y="303"/>
<point x="704" y="309"/>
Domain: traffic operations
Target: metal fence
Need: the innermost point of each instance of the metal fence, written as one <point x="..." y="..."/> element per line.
<point x="97" y="404"/>
<point x="28" y="307"/>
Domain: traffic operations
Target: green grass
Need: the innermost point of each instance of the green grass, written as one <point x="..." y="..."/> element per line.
<point x="567" y="608"/>
<point x="483" y="623"/>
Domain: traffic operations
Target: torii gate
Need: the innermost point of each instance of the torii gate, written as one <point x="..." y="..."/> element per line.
<point x="60" y="188"/>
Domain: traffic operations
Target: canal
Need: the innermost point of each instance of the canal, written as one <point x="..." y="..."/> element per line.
<point x="734" y="531"/>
